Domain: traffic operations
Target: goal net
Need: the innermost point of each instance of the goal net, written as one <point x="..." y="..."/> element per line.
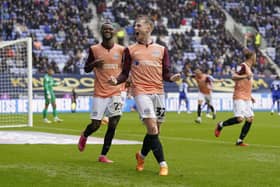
<point x="16" y="83"/>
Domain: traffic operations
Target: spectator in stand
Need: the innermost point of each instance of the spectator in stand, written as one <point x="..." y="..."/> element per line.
<point x="66" y="18"/>
<point x="54" y="67"/>
<point x="260" y="15"/>
<point x="258" y="40"/>
<point x="37" y="45"/>
<point x="120" y="36"/>
<point x="57" y="21"/>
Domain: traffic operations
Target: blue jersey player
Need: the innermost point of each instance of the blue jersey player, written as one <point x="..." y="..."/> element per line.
<point x="183" y="96"/>
<point x="275" y="94"/>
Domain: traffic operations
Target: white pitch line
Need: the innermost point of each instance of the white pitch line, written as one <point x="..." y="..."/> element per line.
<point x="205" y="141"/>
<point x="60" y="129"/>
<point x="33" y="137"/>
<point x="172" y="138"/>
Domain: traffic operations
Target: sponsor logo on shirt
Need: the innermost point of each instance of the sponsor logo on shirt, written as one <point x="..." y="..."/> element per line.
<point x="110" y="66"/>
<point x="156" y="53"/>
<point x="116" y="56"/>
<point x="149" y="63"/>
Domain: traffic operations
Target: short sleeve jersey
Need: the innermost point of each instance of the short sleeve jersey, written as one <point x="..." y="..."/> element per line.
<point x="183" y="89"/>
<point x="243" y="87"/>
<point x="204" y="83"/>
<point x="275" y="87"/>
<point x="146" y="68"/>
<point x="112" y="67"/>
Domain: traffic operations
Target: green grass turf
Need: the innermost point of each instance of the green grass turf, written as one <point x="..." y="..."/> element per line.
<point x="195" y="157"/>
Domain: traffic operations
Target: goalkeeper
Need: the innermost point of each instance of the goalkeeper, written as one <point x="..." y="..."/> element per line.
<point x="49" y="82"/>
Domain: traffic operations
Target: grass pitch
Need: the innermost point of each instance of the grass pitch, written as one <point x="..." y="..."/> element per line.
<point x="195" y="157"/>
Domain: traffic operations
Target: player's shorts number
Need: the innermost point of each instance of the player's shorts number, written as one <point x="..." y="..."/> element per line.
<point x="160" y="112"/>
<point x="116" y="105"/>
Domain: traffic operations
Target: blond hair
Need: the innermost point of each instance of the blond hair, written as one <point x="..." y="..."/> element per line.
<point x="247" y="53"/>
<point x="146" y="19"/>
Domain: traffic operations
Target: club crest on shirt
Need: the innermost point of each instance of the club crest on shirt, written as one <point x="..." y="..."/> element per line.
<point x="156" y="53"/>
<point x="116" y="56"/>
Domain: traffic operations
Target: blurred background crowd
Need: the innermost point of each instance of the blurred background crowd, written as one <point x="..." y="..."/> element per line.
<point x="194" y="31"/>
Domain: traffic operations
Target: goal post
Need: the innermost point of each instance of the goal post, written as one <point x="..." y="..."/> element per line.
<point x="16" y="83"/>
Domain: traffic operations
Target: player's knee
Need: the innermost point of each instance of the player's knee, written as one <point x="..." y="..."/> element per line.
<point x="151" y="125"/>
<point x="240" y="119"/>
<point x="250" y="119"/>
<point x="153" y="130"/>
<point x="95" y="124"/>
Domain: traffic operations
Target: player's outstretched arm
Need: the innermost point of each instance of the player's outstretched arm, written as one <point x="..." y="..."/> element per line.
<point x="175" y="77"/>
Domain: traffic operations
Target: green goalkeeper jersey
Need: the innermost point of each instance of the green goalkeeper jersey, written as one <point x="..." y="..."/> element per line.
<point x="49" y="82"/>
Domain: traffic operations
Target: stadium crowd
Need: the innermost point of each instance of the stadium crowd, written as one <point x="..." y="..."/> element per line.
<point x="264" y="16"/>
<point x="57" y="28"/>
<point x="193" y="31"/>
<point x="205" y="43"/>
